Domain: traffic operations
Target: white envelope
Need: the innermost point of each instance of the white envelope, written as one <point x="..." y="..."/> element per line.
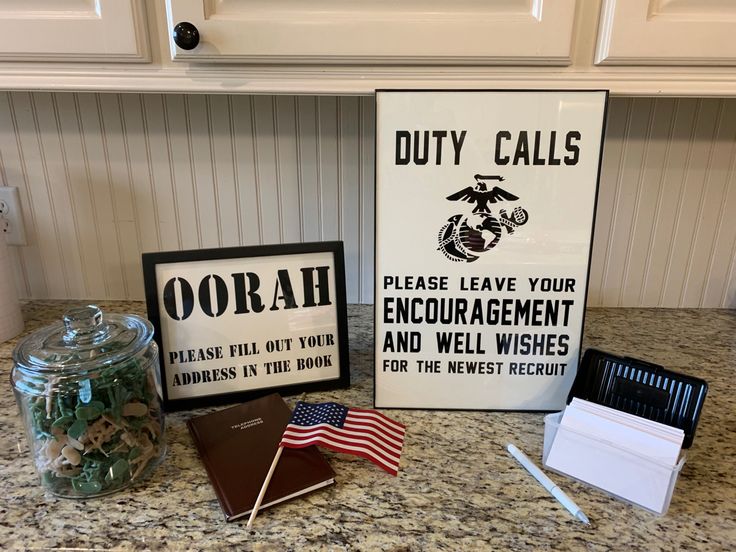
<point x="625" y="455"/>
<point x="650" y="439"/>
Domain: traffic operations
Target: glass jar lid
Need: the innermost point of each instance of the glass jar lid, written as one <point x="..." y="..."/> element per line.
<point x="85" y="340"/>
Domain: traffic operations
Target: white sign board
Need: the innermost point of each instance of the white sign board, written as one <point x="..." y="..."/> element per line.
<point x="485" y="203"/>
<point x="234" y="323"/>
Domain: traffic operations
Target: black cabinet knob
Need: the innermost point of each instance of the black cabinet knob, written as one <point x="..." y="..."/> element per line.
<point x="186" y="36"/>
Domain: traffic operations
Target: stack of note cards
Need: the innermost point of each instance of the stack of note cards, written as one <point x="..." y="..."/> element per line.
<point x="625" y="455"/>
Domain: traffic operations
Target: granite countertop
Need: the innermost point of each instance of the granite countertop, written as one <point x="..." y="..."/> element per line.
<point x="457" y="488"/>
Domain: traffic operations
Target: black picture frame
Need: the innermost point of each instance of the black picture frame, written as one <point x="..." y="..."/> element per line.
<point x="157" y="303"/>
<point x="407" y="392"/>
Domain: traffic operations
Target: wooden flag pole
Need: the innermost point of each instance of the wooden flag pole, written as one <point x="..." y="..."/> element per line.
<point x="259" y="500"/>
<point x="269" y="475"/>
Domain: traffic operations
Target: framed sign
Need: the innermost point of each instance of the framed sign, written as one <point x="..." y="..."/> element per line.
<point x="240" y="322"/>
<point x="485" y="204"/>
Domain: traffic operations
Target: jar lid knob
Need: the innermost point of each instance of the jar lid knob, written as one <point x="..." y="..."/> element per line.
<point x="81" y="321"/>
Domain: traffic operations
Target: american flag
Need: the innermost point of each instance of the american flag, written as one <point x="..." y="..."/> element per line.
<point x="365" y="433"/>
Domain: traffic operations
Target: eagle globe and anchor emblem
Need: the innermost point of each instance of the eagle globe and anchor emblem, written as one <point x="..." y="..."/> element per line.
<point x="465" y="237"/>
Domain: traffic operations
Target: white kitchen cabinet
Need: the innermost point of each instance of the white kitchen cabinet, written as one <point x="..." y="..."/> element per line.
<point x="73" y="30"/>
<point x="423" y="32"/>
<point x="345" y="47"/>
<point x="667" y="32"/>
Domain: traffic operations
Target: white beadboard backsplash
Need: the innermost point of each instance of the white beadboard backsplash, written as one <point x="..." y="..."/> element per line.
<point x="104" y="177"/>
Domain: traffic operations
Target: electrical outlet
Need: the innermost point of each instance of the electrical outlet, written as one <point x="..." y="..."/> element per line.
<point x="11" y="217"/>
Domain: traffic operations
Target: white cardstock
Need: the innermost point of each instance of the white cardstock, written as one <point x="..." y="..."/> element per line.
<point x="485" y="203"/>
<point x="242" y="351"/>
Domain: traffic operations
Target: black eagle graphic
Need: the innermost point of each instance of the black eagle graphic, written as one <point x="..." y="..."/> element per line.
<point x="481" y="195"/>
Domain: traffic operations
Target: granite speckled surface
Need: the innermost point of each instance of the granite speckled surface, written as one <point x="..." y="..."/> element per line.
<point x="457" y="488"/>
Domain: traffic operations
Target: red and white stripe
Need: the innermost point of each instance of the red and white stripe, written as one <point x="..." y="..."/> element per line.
<point x="365" y="433"/>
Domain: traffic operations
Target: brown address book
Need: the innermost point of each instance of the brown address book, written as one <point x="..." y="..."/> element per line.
<point x="237" y="446"/>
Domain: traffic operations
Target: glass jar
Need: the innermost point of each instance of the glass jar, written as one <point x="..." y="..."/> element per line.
<point x="86" y="390"/>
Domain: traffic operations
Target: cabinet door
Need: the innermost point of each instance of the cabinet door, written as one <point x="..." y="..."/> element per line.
<point x="667" y="32"/>
<point x="377" y="31"/>
<point x="73" y="30"/>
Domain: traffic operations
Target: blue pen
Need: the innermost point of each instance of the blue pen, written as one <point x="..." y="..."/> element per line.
<point x="548" y="484"/>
